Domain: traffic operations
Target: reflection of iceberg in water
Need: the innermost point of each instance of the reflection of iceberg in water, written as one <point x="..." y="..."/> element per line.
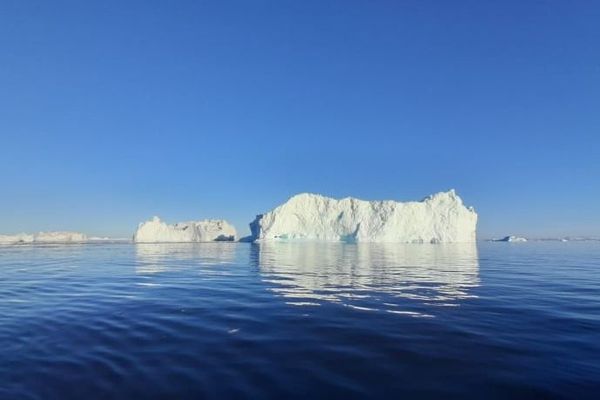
<point x="160" y="257"/>
<point x="370" y="274"/>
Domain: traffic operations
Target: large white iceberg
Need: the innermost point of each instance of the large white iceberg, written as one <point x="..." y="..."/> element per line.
<point x="44" y="237"/>
<point x="440" y="218"/>
<point x="210" y="230"/>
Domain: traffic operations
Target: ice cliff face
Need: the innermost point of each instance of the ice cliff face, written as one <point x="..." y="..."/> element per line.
<point x="440" y="218"/>
<point x="156" y="231"/>
<point x="44" y="237"/>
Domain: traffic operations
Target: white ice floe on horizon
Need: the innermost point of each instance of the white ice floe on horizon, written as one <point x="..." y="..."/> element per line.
<point x="44" y="237"/>
<point x="512" y="239"/>
<point x="104" y="239"/>
<point x="210" y="230"/>
<point x="439" y="218"/>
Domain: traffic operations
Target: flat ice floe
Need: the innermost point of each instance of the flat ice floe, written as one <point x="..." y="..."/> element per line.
<point x="210" y="230"/>
<point x="512" y="239"/>
<point x="44" y="237"/>
<point x="439" y="218"/>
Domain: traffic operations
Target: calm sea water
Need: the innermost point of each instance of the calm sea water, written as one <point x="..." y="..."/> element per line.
<point x="224" y="320"/>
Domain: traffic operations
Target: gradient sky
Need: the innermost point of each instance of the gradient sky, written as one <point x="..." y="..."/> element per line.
<point x="114" y="111"/>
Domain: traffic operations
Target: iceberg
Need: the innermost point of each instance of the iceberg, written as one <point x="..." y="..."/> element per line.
<point x="16" y="239"/>
<point x="439" y="218"/>
<point x="44" y="237"/>
<point x="210" y="230"/>
<point x="60" y="237"/>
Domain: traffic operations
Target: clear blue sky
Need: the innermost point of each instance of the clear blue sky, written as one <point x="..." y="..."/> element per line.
<point x="114" y="111"/>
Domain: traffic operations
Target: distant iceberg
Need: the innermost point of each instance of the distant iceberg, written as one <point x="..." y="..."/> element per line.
<point x="16" y="239"/>
<point x="156" y="231"/>
<point x="511" y="239"/>
<point x="440" y="218"/>
<point x="44" y="237"/>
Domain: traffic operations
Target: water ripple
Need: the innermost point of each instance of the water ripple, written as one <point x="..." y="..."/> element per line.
<point x="225" y="320"/>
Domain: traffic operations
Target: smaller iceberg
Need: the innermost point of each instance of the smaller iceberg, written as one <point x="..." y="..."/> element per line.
<point x="16" y="239"/>
<point x="44" y="237"/>
<point x="512" y="239"/>
<point x="210" y="230"/>
<point x="60" y="237"/>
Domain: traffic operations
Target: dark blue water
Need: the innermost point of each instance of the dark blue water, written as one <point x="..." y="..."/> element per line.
<point x="228" y="320"/>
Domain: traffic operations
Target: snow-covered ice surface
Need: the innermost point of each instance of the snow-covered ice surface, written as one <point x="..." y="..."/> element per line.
<point x="44" y="237"/>
<point x="157" y="231"/>
<point x="439" y="218"/>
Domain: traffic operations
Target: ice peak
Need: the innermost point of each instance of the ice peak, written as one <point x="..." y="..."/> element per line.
<point x="305" y="196"/>
<point x="449" y="194"/>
